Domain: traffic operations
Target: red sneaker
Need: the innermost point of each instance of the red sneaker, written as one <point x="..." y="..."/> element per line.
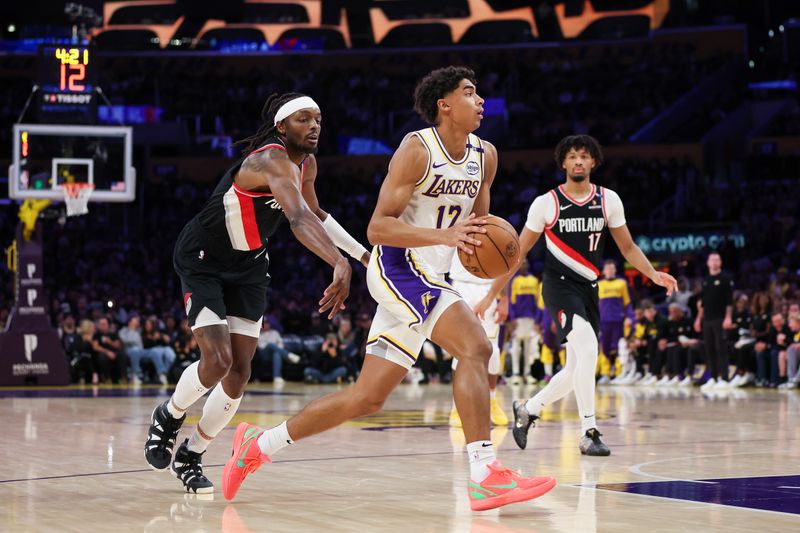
<point x="245" y="459"/>
<point x="504" y="486"/>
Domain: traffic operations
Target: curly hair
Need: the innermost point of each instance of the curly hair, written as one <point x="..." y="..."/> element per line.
<point x="579" y="142"/>
<point x="436" y="85"/>
<point x="267" y="129"/>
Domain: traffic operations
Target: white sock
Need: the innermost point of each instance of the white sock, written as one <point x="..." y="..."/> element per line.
<point x="560" y="385"/>
<point x="274" y="439"/>
<point x="217" y="412"/>
<point x="548" y="369"/>
<point x="481" y="455"/>
<point x="583" y="340"/>
<point x="492" y="394"/>
<point x="188" y="390"/>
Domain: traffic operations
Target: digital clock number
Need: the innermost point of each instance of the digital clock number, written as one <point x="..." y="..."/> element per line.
<point x="73" y="68"/>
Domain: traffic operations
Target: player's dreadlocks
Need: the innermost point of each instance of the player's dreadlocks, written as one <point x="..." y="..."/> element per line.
<point x="267" y="129"/>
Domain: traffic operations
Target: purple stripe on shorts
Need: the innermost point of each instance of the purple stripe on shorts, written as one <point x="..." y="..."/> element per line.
<point x="410" y="286"/>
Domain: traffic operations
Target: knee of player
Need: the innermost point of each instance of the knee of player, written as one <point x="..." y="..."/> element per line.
<point x="220" y="359"/>
<point x="367" y="404"/>
<point x="481" y="350"/>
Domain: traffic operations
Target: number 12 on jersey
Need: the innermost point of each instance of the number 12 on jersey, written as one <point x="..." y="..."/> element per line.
<point x="594" y="241"/>
<point x="453" y="213"/>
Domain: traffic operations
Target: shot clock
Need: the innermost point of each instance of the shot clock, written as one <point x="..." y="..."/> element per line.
<point x="67" y="80"/>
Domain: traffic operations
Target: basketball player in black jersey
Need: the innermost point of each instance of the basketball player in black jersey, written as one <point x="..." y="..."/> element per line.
<point x="574" y="218"/>
<point x="222" y="260"/>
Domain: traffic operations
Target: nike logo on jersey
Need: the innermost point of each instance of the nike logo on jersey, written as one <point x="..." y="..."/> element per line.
<point x="563" y="207"/>
<point x="437" y="165"/>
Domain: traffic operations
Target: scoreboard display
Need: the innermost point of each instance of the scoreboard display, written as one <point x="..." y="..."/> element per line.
<point x="67" y="79"/>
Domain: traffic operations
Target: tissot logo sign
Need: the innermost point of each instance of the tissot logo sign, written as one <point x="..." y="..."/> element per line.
<point x="383" y="15"/>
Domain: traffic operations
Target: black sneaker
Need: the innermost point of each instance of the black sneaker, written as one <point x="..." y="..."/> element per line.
<point x="523" y="421"/>
<point x="592" y="445"/>
<point x="161" y="437"/>
<point x="188" y="467"/>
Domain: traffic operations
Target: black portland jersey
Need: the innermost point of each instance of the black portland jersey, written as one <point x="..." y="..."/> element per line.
<point x="238" y="219"/>
<point x="576" y="236"/>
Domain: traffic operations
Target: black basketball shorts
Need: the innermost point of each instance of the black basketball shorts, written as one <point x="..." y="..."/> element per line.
<point x="565" y="297"/>
<point x="229" y="284"/>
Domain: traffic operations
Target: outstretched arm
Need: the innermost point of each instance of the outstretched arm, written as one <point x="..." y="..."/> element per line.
<point x="634" y="255"/>
<point x="336" y="232"/>
<point x="274" y="169"/>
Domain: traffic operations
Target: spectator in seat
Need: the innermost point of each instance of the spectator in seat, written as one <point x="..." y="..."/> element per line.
<point x="327" y="365"/>
<point x="270" y="347"/>
<point x="131" y="337"/>
<point x="109" y="358"/>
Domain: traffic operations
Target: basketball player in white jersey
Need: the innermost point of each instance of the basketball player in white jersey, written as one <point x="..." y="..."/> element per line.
<point x="473" y="289"/>
<point x="435" y="194"/>
<point x="574" y="218"/>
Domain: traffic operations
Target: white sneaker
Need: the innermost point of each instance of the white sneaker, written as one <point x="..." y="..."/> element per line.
<point x="674" y="382"/>
<point x="663" y="382"/>
<point x="162" y="378"/>
<point x="737" y="380"/>
<point x="137" y="381"/>
<point x="278" y="382"/>
<point x="293" y="358"/>
<point x="635" y="379"/>
<point x="604" y="380"/>
<point x="649" y="380"/>
<point x="722" y="385"/>
<point x="685" y="382"/>
<point x="709" y="385"/>
<point x="530" y="380"/>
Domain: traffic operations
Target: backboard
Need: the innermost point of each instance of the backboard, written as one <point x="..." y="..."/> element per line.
<point x="48" y="155"/>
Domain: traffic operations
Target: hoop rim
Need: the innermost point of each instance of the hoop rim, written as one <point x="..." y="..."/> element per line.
<point x="74" y="189"/>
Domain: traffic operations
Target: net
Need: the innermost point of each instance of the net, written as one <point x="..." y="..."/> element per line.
<point x="76" y="196"/>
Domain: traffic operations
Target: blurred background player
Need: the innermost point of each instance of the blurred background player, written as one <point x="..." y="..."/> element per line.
<point x="616" y="313"/>
<point x="574" y="218"/>
<point x="435" y="195"/>
<point x="714" y="316"/>
<point x="473" y="289"/>
<point x="221" y="258"/>
<point x="525" y="289"/>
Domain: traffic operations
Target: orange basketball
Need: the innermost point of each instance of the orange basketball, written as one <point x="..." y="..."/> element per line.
<point x="498" y="253"/>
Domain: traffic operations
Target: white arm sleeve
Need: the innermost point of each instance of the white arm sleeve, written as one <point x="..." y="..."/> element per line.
<point x="342" y="239"/>
<point x="615" y="213"/>
<point x="541" y="213"/>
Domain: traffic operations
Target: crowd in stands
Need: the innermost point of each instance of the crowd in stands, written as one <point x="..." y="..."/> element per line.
<point x="622" y="88"/>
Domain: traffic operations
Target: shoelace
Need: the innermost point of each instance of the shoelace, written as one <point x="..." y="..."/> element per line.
<point x="254" y="464"/>
<point x="505" y="472"/>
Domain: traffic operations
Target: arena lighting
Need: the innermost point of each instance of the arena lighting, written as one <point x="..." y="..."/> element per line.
<point x="789" y="85"/>
<point x="771" y="34"/>
<point x="11" y="28"/>
<point x="110" y="304"/>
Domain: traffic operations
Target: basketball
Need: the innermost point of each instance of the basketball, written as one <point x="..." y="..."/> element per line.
<point x="498" y="252"/>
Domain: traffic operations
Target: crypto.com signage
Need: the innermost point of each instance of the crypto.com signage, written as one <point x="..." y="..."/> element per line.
<point x="572" y="23"/>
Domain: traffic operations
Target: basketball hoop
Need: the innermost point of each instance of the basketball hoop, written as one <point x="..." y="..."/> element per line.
<point x="76" y="196"/>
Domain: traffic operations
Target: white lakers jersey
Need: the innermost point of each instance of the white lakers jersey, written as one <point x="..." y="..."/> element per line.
<point x="445" y="194"/>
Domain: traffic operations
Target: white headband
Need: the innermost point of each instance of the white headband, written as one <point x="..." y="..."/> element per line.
<point x="302" y="102"/>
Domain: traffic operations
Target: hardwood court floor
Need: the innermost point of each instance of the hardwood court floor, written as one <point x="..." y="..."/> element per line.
<point x="72" y="461"/>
